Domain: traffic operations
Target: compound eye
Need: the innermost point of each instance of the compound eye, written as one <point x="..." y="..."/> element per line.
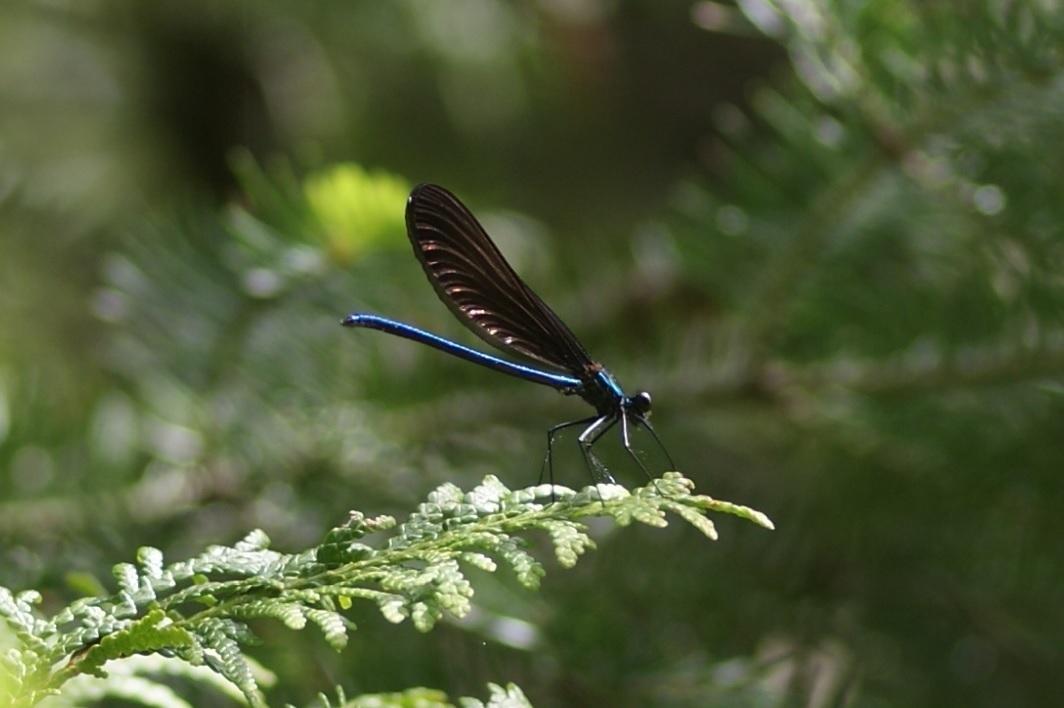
<point x="640" y="404"/>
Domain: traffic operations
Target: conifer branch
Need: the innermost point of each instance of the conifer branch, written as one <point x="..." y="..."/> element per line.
<point x="198" y="610"/>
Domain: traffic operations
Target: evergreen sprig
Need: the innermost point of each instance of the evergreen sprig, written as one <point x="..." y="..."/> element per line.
<point x="198" y="610"/>
<point x="509" y="696"/>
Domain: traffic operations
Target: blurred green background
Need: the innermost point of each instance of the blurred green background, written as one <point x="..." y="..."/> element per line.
<point x="826" y="235"/>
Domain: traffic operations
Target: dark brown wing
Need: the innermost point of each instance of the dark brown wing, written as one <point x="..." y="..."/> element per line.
<point x="473" y="279"/>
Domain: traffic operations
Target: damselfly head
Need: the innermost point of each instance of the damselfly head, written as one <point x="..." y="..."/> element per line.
<point x="639" y="404"/>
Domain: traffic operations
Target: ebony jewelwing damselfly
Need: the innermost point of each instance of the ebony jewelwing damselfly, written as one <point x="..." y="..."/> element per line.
<point x="476" y="283"/>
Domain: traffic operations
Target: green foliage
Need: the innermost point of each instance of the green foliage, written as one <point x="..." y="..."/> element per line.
<point x="357" y="210"/>
<point x="883" y="240"/>
<point x="831" y="248"/>
<point x="199" y="610"/>
<point x="509" y="696"/>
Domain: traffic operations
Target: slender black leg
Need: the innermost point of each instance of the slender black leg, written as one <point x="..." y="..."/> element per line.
<point x="628" y="446"/>
<point x="646" y="424"/>
<point x="599" y="426"/>
<point x="548" y="461"/>
<point x="588" y="438"/>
